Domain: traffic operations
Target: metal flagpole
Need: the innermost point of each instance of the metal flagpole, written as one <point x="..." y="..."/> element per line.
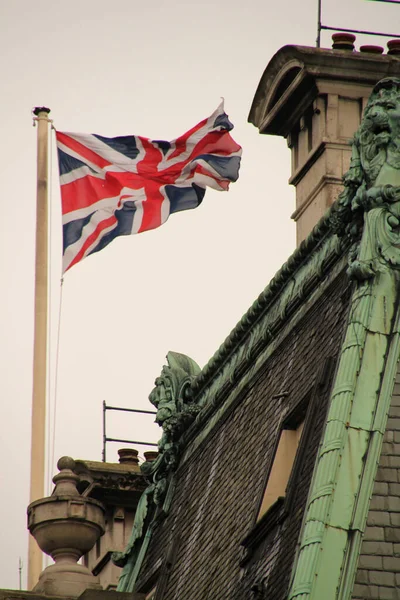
<point x="318" y="42"/>
<point x="37" y="486"/>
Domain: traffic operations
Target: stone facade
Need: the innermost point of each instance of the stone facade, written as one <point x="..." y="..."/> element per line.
<point x="118" y="487"/>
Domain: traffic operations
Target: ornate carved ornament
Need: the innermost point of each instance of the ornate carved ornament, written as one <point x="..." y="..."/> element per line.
<point x="175" y="412"/>
<point x="129" y="481"/>
<point x="368" y="209"/>
<point x="172" y="398"/>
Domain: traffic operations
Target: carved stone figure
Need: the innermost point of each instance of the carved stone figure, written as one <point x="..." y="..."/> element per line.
<point x="175" y="411"/>
<point x="373" y="182"/>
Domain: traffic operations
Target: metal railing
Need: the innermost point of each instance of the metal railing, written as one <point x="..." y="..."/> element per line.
<point x="321" y="27"/>
<point x="110" y="439"/>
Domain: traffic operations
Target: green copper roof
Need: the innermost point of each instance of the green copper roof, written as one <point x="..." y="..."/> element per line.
<point x="339" y="496"/>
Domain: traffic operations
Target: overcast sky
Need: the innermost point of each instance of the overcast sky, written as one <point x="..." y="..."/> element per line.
<point x="153" y="69"/>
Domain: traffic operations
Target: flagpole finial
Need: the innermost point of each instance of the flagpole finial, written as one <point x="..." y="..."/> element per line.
<point x="39" y="109"/>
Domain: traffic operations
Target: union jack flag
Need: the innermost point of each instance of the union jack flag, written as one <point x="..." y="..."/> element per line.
<point x="129" y="184"/>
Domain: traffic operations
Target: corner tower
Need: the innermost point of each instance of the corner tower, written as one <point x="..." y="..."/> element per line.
<point x="315" y="97"/>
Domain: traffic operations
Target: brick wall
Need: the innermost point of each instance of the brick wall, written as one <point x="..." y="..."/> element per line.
<point x="219" y="487"/>
<point x="378" y="574"/>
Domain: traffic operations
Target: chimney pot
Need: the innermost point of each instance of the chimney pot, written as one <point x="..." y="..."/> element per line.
<point x="150" y="455"/>
<point x="371" y="49"/>
<point x="343" y="41"/>
<point x="394" y="46"/>
<point x="128" y="456"/>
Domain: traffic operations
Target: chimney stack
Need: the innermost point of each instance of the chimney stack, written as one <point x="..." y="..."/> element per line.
<point x="315" y="97"/>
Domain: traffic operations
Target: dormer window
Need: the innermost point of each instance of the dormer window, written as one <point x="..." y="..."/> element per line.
<point x="282" y="465"/>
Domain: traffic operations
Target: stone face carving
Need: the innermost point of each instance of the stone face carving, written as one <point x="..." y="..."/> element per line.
<point x="175" y="411"/>
<point x="370" y="202"/>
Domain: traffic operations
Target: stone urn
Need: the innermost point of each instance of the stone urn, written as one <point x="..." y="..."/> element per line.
<point x="66" y="525"/>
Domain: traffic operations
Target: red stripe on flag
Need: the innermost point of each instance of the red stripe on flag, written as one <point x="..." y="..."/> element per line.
<point x="82" y="150"/>
<point x="218" y="143"/>
<point x="147" y="168"/>
<point x="152" y="207"/>
<point x="181" y="141"/>
<point x="93" y="237"/>
<point x="222" y="183"/>
<point x="213" y="143"/>
<point x="88" y="190"/>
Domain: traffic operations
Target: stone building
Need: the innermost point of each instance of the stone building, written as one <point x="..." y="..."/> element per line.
<point x="278" y="469"/>
<point x="89" y="515"/>
<point x="278" y="473"/>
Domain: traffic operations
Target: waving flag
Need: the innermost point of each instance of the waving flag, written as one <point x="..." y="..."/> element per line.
<point x="125" y="185"/>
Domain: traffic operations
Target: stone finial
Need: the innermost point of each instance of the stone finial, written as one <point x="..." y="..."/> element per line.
<point x="65" y="481"/>
<point x="66" y="525"/>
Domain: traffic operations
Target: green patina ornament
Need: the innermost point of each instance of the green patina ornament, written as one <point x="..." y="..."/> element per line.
<point x="130" y="553"/>
<point x="368" y="213"/>
<point x="371" y="194"/>
<point x="175" y="412"/>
